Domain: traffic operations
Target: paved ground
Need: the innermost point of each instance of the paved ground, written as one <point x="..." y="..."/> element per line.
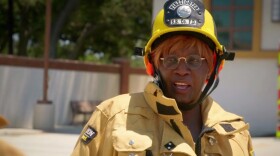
<point x="39" y="143"/>
<point x="266" y="146"/>
<point x="62" y="141"/>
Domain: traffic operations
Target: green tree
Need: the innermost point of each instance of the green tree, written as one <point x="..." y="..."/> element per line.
<point x="27" y="32"/>
<point x="3" y="25"/>
<point x="109" y="28"/>
<point x="114" y="27"/>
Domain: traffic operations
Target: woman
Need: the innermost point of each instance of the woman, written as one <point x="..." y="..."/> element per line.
<point x="174" y="115"/>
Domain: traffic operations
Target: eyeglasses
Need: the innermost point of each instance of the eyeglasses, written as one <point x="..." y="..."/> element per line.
<point x="192" y="61"/>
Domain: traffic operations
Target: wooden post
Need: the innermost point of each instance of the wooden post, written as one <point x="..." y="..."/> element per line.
<point x="44" y="112"/>
<point x="46" y="51"/>
<point x="124" y="74"/>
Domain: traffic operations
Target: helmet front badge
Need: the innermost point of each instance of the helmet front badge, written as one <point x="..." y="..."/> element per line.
<point x="184" y="11"/>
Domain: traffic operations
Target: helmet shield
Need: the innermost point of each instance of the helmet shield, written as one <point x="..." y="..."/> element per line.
<point x="184" y="13"/>
<point x="184" y="17"/>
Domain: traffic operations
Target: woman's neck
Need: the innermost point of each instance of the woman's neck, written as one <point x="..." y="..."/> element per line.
<point x="193" y="120"/>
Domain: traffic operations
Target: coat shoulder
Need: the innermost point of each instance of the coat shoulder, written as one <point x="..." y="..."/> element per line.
<point x="120" y="103"/>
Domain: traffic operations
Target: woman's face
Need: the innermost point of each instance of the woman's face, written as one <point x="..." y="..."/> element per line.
<point x="182" y="82"/>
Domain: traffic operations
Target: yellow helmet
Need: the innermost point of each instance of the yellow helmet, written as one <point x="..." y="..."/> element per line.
<point x="191" y="18"/>
<point x="184" y="16"/>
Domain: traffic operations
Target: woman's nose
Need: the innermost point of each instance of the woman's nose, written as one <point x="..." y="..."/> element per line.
<point x="182" y="68"/>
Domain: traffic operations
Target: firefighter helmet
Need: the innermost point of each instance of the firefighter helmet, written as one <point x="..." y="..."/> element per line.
<point x="183" y="16"/>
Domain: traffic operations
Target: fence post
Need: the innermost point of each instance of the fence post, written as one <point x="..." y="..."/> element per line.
<point x="124" y="74"/>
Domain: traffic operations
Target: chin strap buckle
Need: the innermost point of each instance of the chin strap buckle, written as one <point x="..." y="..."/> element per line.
<point x="139" y="51"/>
<point x="229" y="56"/>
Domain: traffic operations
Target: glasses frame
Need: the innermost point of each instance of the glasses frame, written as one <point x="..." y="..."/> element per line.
<point x="186" y="60"/>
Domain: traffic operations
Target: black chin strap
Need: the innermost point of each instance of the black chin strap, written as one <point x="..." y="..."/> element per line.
<point x="212" y="82"/>
<point x="209" y="88"/>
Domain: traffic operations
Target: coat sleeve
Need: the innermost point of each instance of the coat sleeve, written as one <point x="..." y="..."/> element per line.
<point x="91" y="138"/>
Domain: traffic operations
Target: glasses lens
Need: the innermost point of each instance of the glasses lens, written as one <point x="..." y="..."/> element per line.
<point x="170" y="62"/>
<point x="194" y="61"/>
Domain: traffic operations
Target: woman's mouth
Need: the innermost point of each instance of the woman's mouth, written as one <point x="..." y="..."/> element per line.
<point x="181" y="85"/>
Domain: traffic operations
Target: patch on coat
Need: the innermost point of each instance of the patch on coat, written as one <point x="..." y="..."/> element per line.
<point x="89" y="134"/>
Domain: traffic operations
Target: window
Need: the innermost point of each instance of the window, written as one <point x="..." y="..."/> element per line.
<point x="234" y="22"/>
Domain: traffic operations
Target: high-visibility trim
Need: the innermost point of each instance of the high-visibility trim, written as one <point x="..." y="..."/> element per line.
<point x="278" y="134"/>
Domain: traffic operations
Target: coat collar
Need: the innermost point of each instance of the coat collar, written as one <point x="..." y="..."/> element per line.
<point x="214" y="117"/>
<point x="167" y="109"/>
<point x="213" y="113"/>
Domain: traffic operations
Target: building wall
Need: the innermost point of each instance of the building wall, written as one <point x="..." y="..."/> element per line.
<point x="248" y="87"/>
<point x="270" y="30"/>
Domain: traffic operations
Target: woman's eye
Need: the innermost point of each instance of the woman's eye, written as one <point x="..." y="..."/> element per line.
<point x="171" y="60"/>
<point x="193" y="61"/>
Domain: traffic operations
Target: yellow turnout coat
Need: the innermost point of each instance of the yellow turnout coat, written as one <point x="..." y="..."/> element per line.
<point x="150" y="124"/>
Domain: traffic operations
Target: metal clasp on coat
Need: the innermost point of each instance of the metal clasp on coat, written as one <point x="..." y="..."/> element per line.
<point x="212" y="140"/>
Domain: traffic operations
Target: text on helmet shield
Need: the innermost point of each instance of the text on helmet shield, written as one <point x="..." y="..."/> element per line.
<point x="178" y="3"/>
<point x="183" y="21"/>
